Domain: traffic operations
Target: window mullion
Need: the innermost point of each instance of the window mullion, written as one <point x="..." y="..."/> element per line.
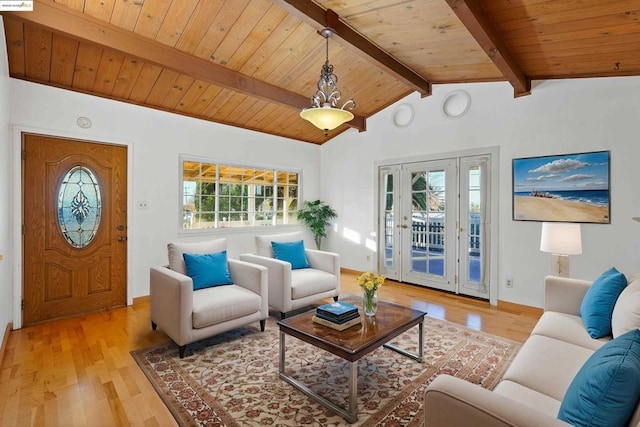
<point x="216" y="220"/>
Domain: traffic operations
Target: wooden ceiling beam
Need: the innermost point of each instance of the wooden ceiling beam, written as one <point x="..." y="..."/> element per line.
<point x="472" y="15"/>
<point x="321" y="18"/>
<point x="64" y="20"/>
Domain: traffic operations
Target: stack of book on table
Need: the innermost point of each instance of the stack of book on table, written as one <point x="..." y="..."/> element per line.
<point x="338" y="315"/>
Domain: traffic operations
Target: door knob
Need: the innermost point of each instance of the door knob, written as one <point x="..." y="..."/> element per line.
<point x="122" y="238"/>
<point x="120" y="227"/>
<point x="405" y="226"/>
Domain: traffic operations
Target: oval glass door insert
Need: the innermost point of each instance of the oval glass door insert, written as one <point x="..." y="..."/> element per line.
<point x="79" y="206"/>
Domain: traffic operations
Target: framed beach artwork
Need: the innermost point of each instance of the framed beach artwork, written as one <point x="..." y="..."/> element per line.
<point x="563" y="188"/>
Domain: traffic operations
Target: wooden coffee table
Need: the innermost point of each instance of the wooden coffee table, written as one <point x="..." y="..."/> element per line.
<point x="351" y="344"/>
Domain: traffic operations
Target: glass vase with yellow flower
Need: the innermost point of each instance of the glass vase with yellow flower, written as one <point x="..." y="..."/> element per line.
<point x="370" y="282"/>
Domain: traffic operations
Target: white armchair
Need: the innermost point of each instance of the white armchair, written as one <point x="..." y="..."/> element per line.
<point x="187" y="316"/>
<point x="290" y="289"/>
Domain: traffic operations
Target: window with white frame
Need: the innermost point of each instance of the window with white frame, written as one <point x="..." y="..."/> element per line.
<point x="217" y="195"/>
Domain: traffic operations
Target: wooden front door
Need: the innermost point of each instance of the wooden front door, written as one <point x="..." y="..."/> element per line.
<point x="74" y="227"/>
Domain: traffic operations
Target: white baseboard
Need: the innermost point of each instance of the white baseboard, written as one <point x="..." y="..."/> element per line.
<point x="5" y="341"/>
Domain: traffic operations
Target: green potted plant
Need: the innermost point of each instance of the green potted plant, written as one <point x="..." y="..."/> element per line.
<point x="316" y="216"/>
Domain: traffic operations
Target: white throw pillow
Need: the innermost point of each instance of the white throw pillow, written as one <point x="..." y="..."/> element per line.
<point x="176" y="260"/>
<point x="626" y="312"/>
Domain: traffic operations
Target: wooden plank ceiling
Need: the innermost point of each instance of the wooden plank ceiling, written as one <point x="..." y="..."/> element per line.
<point x="255" y="63"/>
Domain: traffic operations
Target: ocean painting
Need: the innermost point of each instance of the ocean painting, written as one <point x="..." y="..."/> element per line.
<point x="563" y="188"/>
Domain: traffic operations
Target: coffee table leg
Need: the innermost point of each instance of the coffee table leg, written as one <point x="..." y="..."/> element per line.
<point x="417" y="357"/>
<point x="350" y="414"/>
<point x="353" y="392"/>
<point x="282" y="350"/>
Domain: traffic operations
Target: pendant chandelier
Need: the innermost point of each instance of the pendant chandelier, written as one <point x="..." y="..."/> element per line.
<point x="324" y="112"/>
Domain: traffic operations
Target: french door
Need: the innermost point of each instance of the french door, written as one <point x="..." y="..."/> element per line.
<point x="434" y="224"/>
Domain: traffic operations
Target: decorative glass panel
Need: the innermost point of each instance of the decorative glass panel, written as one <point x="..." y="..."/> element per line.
<point x="79" y="206"/>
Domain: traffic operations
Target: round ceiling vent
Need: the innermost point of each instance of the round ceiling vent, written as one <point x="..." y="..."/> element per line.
<point x="403" y="115"/>
<point x="456" y="104"/>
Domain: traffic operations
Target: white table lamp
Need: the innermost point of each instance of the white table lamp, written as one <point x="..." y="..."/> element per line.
<point x="561" y="239"/>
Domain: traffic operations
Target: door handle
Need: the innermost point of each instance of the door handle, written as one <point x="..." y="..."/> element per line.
<point x="122" y="238"/>
<point x="405" y="226"/>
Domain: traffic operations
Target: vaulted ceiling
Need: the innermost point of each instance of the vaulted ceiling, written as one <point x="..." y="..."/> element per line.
<point x="255" y="63"/>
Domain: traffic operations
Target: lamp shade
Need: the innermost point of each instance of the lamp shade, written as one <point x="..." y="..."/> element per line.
<point x="326" y="117"/>
<point x="561" y="238"/>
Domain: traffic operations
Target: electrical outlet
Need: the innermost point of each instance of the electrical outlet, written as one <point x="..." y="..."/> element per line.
<point x="509" y="283"/>
<point x="143" y="204"/>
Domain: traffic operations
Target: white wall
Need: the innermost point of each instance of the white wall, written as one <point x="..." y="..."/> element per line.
<point x="6" y="247"/>
<point x="562" y="116"/>
<point x="156" y="139"/>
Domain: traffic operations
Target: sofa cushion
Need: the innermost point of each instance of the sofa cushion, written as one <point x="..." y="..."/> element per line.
<point x="176" y="260"/>
<point x="528" y="397"/>
<point x="207" y="270"/>
<point x="309" y="281"/>
<point x="626" y="312"/>
<point x="291" y="252"/>
<point x="263" y="243"/>
<point x="567" y="327"/>
<point x="597" y="305"/>
<point x="607" y="388"/>
<point x="223" y="303"/>
<point x="547" y="365"/>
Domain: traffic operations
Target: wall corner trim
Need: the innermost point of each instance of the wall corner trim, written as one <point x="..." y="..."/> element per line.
<point x="5" y="341"/>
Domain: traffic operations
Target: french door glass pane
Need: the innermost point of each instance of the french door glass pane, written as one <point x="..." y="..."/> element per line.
<point x="427" y="222"/>
<point x="389" y="221"/>
<point x="475" y="210"/>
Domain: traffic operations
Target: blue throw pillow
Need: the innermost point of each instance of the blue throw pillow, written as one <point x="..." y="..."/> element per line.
<point x="292" y="252"/>
<point x="606" y="389"/>
<point x="597" y="305"/>
<point x="207" y="270"/>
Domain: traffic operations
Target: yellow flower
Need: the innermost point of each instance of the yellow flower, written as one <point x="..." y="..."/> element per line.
<point x="370" y="282"/>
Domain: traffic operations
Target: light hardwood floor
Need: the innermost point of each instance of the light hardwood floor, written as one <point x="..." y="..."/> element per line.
<point x="78" y="372"/>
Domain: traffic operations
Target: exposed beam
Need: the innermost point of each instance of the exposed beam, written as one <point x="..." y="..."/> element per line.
<point x="319" y="17"/>
<point x="77" y="25"/>
<point x="472" y="15"/>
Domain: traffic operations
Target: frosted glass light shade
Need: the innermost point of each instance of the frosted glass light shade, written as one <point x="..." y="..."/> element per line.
<point x="561" y="238"/>
<point x="326" y="117"/>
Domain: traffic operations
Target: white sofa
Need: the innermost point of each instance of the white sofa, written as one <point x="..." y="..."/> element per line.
<point x="531" y="390"/>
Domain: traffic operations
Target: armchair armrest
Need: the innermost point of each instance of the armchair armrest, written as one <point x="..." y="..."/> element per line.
<point x="453" y="402"/>
<point x="278" y="278"/>
<point x="252" y="277"/>
<point x="564" y="295"/>
<point x="325" y="261"/>
<point x="249" y="276"/>
<point x="171" y="296"/>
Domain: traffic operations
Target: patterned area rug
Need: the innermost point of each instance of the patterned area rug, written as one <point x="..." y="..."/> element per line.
<point x="232" y="379"/>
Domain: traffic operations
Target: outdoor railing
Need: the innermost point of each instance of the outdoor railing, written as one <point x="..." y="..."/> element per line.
<point x="431" y="236"/>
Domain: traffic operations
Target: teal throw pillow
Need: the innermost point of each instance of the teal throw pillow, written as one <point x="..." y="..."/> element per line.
<point x="606" y="389"/>
<point x="292" y="252"/>
<point x="207" y="270"/>
<point x="598" y="303"/>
